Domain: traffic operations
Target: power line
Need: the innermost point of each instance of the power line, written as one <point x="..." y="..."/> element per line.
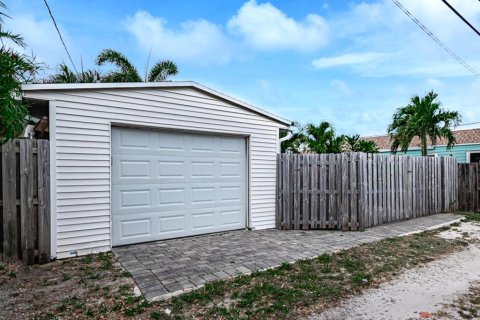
<point x="438" y="41"/>
<point x="60" y="35"/>
<point x="461" y="17"/>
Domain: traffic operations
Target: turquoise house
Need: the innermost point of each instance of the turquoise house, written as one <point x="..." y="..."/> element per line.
<point x="467" y="148"/>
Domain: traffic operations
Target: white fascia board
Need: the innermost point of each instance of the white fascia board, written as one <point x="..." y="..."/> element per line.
<point x="144" y="85"/>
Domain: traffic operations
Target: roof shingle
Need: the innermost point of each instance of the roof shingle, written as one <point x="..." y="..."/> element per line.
<point x="462" y="137"/>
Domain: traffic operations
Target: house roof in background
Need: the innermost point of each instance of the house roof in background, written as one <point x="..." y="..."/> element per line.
<point x="464" y="136"/>
<point x="148" y="85"/>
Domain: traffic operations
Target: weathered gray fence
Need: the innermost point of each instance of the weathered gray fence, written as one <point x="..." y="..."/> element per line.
<point x="469" y="186"/>
<point x="352" y="191"/>
<point x="25" y="201"/>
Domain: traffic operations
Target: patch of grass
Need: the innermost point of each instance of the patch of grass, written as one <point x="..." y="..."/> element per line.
<point x="106" y="260"/>
<point x="472" y="216"/>
<point x="2" y="266"/>
<point x="66" y="277"/>
<point x="87" y="259"/>
<point x="361" y="279"/>
<point x="352" y="265"/>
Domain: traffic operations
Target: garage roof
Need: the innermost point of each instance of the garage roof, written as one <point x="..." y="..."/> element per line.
<point x="140" y="85"/>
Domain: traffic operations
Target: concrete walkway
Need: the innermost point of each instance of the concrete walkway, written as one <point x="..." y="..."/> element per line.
<point x="170" y="267"/>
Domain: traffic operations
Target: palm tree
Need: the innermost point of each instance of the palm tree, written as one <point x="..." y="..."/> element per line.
<point x="66" y="75"/>
<point x="423" y="118"/>
<point x="7" y="35"/>
<point x="16" y="68"/>
<point x="322" y="139"/>
<point x="354" y="143"/>
<point x="126" y="71"/>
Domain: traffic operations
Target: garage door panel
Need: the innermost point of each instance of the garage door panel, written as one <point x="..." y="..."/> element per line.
<point x="202" y="169"/>
<point x="231" y="169"/>
<point x="230" y="217"/>
<point x="129" y="141"/>
<point x="178" y="185"/>
<point x="136" y="228"/>
<point x="172" y="144"/>
<point x="172" y="224"/>
<point x="231" y="194"/>
<point x="134" y="169"/>
<point x="204" y="220"/>
<point x="137" y="198"/>
<point x="172" y="197"/>
<point x="231" y="146"/>
<point x="171" y="169"/>
<point x="202" y="145"/>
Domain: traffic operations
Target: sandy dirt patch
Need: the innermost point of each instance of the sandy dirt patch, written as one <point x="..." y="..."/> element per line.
<point x="420" y="291"/>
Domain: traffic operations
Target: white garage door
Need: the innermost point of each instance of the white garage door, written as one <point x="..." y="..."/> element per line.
<point x="168" y="185"/>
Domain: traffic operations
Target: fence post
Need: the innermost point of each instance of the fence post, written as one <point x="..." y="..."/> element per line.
<point x="43" y="172"/>
<point x="9" y="181"/>
<point x="28" y="230"/>
<point x="363" y="176"/>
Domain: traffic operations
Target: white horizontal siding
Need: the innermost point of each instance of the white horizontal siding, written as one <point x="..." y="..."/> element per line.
<point x="83" y="135"/>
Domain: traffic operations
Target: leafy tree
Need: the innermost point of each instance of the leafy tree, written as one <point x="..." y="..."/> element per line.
<point x="423" y="118"/>
<point x="15" y="69"/>
<point x="322" y="139"/>
<point x="126" y="71"/>
<point x="354" y="143"/>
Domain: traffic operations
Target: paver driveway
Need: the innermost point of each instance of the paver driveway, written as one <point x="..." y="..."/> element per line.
<point x="172" y="266"/>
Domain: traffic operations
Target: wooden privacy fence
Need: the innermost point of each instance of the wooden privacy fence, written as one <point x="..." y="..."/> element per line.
<point x="469" y="186"/>
<point x="25" y="201"/>
<point x="352" y="191"/>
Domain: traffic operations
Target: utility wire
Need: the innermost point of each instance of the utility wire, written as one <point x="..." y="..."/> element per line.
<point x="438" y="41"/>
<point x="461" y="17"/>
<point x="60" y="35"/>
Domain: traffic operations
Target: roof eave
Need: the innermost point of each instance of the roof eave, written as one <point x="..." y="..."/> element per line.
<point x="143" y="85"/>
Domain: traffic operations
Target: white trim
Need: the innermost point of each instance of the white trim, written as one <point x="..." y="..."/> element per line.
<point x="110" y="169"/>
<point x="468" y="154"/>
<point x="144" y="85"/>
<point x="53" y="177"/>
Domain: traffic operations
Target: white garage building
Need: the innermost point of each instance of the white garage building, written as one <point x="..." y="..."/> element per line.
<point x="138" y="162"/>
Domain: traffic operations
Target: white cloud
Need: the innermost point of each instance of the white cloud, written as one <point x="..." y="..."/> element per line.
<point x="198" y="40"/>
<point x="265" y="27"/>
<point x="435" y="83"/>
<point x="382" y="27"/>
<point x="348" y="59"/>
<point x="41" y="38"/>
<point x="342" y="87"/>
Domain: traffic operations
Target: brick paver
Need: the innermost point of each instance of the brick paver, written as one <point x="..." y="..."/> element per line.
<point x="169" y="267"/>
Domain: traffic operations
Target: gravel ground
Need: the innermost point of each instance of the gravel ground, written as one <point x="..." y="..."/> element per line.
<point x="419" y="292"/>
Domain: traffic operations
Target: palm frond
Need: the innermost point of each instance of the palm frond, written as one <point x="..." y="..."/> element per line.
<point x="126" y="73"/>
<point x="15" y="38"/>
<point x="162" y="70"/>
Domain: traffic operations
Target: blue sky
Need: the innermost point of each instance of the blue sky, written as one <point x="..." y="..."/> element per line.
<point x="348" y="62"/>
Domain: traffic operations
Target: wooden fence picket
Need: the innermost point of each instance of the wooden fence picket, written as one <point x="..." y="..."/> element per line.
<point x="354" y="191"/>
<point x="25" y="201"/>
